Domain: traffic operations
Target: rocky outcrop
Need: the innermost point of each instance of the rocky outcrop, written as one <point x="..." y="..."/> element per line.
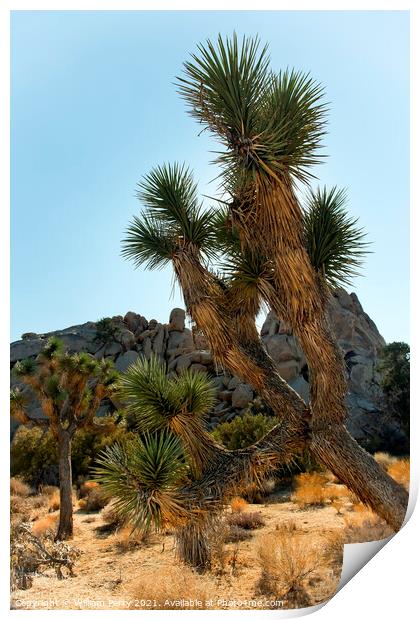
<point x="181" y="347"/>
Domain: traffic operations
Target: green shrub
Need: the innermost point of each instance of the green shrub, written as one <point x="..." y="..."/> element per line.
<point x="34" y="452"/>
<point x="106" y="331"/>
<point x="243" y="431"/>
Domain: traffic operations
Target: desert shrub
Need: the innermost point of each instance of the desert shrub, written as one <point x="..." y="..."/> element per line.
<point x="287" y="558"/>
<point x="309" y="489"/>
<point x="34" y="452"/>
<point x="33" y="455"/>
<point x="394" y="365"/>
<point x="243" y="431"/>
<point x="363" y="525"/>
<point x="112" y="517"/>
<point x="400" y="471"/>
<point x="256" y="493"/>
<point x="246" y="520"/>
<point x="20" y="509"/>
<point x="31" y="554"/>
<point x="44" y="525"/>
<point x="54" y="500"/>
<point x="125" y="539"/>
<point x="384" y="459"/>
<point x="18" y="487"/>
<point x="238" y="504"/>
<point x="107" y="331"/>
<point x="235" y="534"/>
<point x="94" y="499"/>
<point x="87" y="486"/>
<point x="167" y="587"/>
<point x="48" y="490"/>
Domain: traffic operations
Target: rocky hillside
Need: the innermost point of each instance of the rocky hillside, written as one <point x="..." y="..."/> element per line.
<point x="181" y="347"/>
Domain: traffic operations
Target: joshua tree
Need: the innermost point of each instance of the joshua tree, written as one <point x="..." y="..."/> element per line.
<point x="147" y="477"/>
<point x="263" y="245"/>
<point x="69" y="389"/>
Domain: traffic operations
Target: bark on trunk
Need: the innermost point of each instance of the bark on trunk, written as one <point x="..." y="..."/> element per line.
<point x="359" y="471"/>
<point x="65" y="527"/>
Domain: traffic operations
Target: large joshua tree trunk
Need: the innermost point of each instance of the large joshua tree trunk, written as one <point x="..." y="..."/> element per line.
<point x="65" y="527"/>
<point x="298" y="296"/>
<point x="247" y="359"/>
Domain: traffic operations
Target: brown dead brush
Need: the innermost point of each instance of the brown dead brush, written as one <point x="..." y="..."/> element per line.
<point x="32" y="554"/>
<point x="126" y="540"/>
<point x="171" y="587"/>
<point x="86" y="487"/>
<point x="20" y="488"/>
<point x="384" y="459"/>
<point x="246" y="520"/>
<point x="45" y="524"/>
<point x="54" y="500"/>
<point x="20" y="509"/>
<point x="238" y="504"/>
<point x="49" y="490"/>
<point x="257" y="493"/>
<point x="363" y="525"/>
<point x="400" y="471"/>
<point x="235" y="534"/>
<point x="309" y="489"/>
<point x="287" y="558"/>
<point x="333" y="548"/>
<point x="112" y="517"/>
<point x="93" y="500"/>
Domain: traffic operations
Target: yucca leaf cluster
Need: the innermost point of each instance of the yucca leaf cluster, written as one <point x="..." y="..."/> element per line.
<point x="171" y="449"/>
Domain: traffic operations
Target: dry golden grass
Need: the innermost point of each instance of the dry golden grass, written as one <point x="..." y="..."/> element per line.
<point x="238" y="504"/>
<point x="172" y="588"/>
<point x="309" y="489"/>
<point x="363" y="525"/>
<point x="49" y="490"/>
<point x="400" y="471"/>
<point x="384" y="459"/>
<point x="287" y="558"/>
<point x="316" y="489"/>
<point x="20" y="488"/>
<point x="125" y="540"/>
<point x="54" y="500"/>
<point x="44" y="525"/>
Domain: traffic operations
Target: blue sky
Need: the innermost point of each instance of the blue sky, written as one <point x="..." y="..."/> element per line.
<point x="94" y="107"/>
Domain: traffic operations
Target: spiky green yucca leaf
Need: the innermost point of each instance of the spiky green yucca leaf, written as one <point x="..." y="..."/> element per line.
<point x="179" y="404"/>
<point x="18" y="402"/>
<point x="146" y="392"/>
<point x="194" y="393"/>
<point x="154" y="399"/>
<point x="335" y="243"/>
<point x="53" y="347"/>
<point x="222" y="85"/>
<point x="169" y="191"/>
<point x="292" y="124"/>
<point x="149" y="242"/>
<point x="143" y="477"/>
<point x="25" y="367"/>
<point x="170" y="195"/>
<point x="173" y="221"/>
<point x="269" y="123"/>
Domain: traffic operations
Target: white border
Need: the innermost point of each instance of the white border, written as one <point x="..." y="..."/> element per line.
<point x="387" y="585"/>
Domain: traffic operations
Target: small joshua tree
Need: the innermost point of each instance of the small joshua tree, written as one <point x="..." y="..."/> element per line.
<point x="69" y="389"/>
<point x="148" y="477"/>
